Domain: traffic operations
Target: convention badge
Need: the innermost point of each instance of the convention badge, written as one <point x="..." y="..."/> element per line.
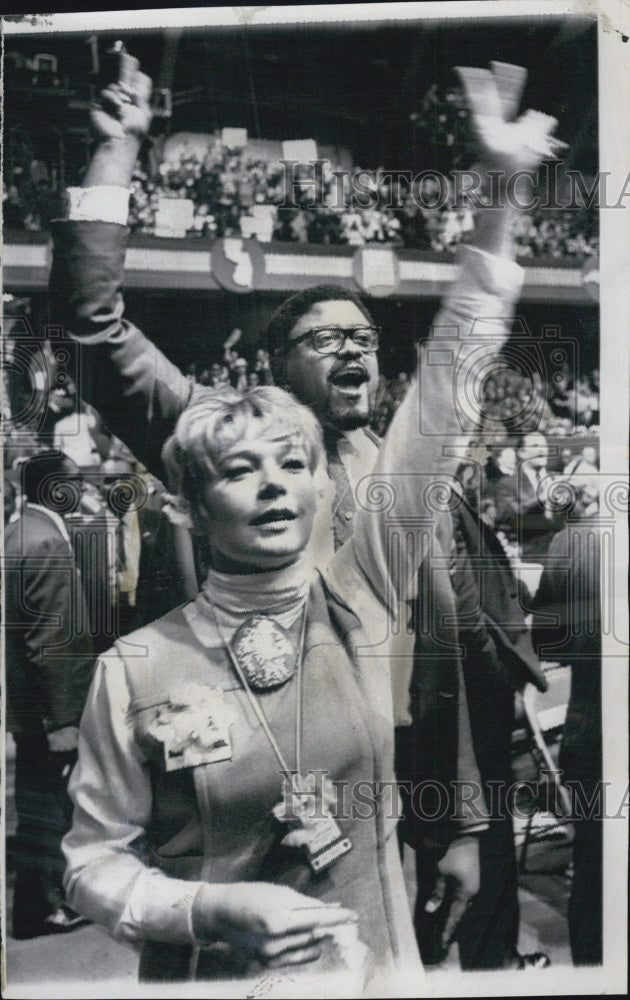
<point x="306" y="809"/>
<point x="194" y="728"/>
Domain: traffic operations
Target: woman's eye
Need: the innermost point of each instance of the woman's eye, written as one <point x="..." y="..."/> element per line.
<point x="236" y="471"/>
<point x="294" y="464"/>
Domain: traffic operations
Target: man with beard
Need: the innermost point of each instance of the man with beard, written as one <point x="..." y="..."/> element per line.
<point x="322" y="345"/>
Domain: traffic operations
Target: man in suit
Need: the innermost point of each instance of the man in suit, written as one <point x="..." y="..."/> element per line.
<point x="497" y="660"/>
<point x="522" y="511"/>
<point x="49" y="665"/>
<point x="567" y="627"/>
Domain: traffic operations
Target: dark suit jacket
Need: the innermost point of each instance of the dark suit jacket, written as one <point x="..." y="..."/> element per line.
<point x="49" y="661"/>
<point x="499" y="604"/>
<point x="492" y="624"/>
<point x="522" y="516"/>
<point x="567" y="628"/>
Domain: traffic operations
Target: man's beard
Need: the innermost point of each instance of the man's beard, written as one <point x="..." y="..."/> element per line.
<point x="348" y="421"/>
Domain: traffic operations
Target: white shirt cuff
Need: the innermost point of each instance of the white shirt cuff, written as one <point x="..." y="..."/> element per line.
<point x="103" y="203"/>
<point x="159" y="908"/>
<point x="483" y="274"/>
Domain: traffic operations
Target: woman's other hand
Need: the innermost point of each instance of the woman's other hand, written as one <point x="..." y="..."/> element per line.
<point x="272" y="923"/>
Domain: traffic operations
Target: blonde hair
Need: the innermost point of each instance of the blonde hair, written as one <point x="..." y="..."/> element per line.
<point x="217" y="418"/>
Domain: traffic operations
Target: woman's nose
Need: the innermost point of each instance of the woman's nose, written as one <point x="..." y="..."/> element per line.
<point x="270" y="490"/>
<point x="271" y="485"/>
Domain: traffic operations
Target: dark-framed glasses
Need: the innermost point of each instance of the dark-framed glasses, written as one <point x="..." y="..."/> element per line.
<point x="330" y="339"/>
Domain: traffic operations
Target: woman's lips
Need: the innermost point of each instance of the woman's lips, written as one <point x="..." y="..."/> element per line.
<point x="273" y="516"/>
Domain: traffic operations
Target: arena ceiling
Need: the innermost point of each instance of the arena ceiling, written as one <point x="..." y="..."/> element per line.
<point x="353" y="85"/>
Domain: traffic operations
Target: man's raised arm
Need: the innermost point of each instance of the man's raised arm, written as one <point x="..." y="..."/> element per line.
<point x="135" y="388"/>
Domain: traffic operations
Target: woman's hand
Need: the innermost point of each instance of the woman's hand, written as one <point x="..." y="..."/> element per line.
<point x="508" y="148"/>
<point x="272" y="923"/>
<point x="506" y="144"/>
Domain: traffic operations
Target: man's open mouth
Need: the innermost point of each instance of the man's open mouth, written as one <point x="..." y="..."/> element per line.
<point x="349" y="378"/>
<point x="272" y="516"/>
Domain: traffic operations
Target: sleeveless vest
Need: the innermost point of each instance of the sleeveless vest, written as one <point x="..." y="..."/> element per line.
<point x="196" y="831"/>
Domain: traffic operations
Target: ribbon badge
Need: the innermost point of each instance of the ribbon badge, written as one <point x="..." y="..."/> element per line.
<point x="194" y="727"/>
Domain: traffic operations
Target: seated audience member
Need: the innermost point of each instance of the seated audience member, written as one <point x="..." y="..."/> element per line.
<point x="78" y="435"/>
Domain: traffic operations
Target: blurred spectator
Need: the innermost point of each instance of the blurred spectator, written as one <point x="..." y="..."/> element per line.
<point x="488" y="512"/>
<point x="586" y="402"/>
<point x="13" y="210"/>
<point x="49" y="660"/>
<point x="215" y="374"/>
<point x="166" y="572"/>
<point x="8" y="499"/>
<point x="238" y="374"/>
<point x="261" y="361"/>
<point x="582" y="465"/>
<point x="567" y="628"/>
<point x="78" y="434"/>
<point x="123" y="499"/>
<point x="523" y="513"/>
<point x="501" y="462"/>
<point x="561" y="396"/>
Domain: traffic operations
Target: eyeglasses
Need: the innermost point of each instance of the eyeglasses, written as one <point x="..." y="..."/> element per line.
<point x="330" y="339"/>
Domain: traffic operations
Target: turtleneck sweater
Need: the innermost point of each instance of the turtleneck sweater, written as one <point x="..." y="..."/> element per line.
<point x="226" y="601"/>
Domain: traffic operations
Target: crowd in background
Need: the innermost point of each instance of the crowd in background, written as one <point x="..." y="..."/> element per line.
<point x="564" y="406"/>
<point x="236" y="194"/>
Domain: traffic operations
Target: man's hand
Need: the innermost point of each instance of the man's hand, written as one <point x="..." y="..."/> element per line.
<point x="124" y="108"/>
<point x="120" y="121"/>
<point x="460" y="867"/>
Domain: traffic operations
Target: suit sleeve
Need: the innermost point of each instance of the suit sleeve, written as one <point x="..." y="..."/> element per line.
<point x="58" y="645"/>
<point x="134" y="387"/>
